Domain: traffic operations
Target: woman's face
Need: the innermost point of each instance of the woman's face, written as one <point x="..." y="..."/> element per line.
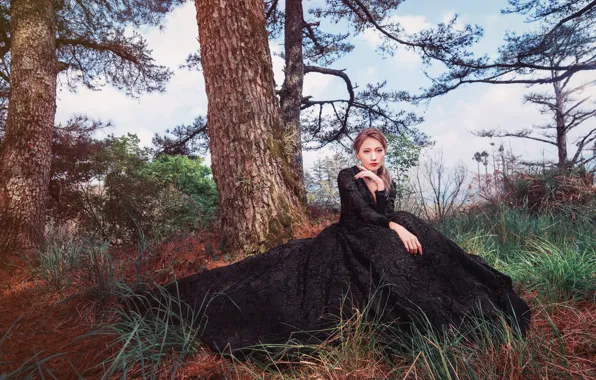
<point x="371" y="154"/>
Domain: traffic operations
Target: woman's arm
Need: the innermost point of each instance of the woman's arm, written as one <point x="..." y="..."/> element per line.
<point x="349" y="192"/>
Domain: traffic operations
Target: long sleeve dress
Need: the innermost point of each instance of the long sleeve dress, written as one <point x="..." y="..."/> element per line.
<point x="300" y="288"/>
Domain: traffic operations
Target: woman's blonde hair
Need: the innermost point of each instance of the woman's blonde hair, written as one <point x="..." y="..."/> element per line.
<point x="376" y="134"/>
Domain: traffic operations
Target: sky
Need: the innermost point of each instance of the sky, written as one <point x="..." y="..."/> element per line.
<point x="449" y="119"/>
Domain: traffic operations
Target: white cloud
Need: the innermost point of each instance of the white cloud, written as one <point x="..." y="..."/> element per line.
<point x="496" y="107"/>
<point x="278" y="64"/>
<point x="412" y="23"/>
<point x="409" y="23"/>
<point x="183" y="100"/>
<point x="459" y="24"/>
<point x="371" y="36"/>
<point x="408" y="59"/>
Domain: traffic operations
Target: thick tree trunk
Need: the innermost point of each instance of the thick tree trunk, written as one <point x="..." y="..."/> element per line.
<point x="25" y="156"/>
<point x="291" y="93"/>
<point x="251" y="165"/>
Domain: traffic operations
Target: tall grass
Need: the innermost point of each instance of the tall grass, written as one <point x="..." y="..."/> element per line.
<point x="552" y="253"/>
<point x="152" y="334"/>
<point x="60" y="254"/>
<point x="558" y="273"/>
<point x="367" y="345"/>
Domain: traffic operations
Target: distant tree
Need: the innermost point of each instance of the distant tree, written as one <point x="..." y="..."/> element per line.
<point x="119" y="193"/>
<point x="403" y="155"/>
<point x="566" y="46"/>
<point x="321" y="180"/>
<point x="73" y="149"/>
<point x="441" y="189"/>
<point x="568" y="112"/>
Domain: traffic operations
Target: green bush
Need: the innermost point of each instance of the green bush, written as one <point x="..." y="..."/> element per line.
<point x="120" y="193"/>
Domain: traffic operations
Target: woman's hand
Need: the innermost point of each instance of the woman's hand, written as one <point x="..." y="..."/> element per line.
<point x="410" y="240"/>
<point x="367" y="173"/>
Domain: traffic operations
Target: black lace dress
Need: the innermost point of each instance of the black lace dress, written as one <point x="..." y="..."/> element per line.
<point x="299" y="286"/>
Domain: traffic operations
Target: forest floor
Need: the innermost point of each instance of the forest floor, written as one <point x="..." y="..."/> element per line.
<point x="46" y="331"/>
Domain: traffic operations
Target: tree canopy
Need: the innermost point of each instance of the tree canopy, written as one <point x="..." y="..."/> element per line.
<point x="97" y="43"/>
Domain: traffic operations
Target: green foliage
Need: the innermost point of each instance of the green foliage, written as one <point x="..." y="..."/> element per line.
<point x="191" y="190"/>
<point x="321" y="181"/>
<point x="119" y="193"/>
<point x="402" y="155"/>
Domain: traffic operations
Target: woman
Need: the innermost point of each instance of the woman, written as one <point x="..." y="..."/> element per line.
<point x="300" y="288"/>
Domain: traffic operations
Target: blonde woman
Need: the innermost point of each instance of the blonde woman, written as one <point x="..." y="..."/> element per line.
<point x="372" y="256"/>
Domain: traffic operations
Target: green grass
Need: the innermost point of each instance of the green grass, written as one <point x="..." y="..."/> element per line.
<point x="553" y="254"/>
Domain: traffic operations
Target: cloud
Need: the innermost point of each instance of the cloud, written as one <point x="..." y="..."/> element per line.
<point x="409" y="23"/>
<point x="412" y="23"/>
<point x="183" y="100"/>
<point x="494" y="107"/>
<point x="371" y="36"/>
<point x="459" y="24"/>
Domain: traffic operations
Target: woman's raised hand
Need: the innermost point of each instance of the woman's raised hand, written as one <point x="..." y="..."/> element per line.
<point x="409" y="239"/>
<point x="367" y="173"/>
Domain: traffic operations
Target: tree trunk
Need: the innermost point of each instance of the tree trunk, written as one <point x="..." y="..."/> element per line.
<point x="25" y="156"/>
<point x="291" y="92"/>
<point x="251" y="166"/>
<point x="561" y="127"/>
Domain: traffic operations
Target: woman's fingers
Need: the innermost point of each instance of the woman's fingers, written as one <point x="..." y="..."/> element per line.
<point x="407" y="244"/>
<point x="413" y="246"/>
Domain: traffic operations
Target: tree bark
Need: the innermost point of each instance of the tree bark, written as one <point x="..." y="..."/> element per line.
<point x="291" y="92"/>
<point x="252" y="167"/>
<point x="25" y="155"/>
<point x="561" y="127"/>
